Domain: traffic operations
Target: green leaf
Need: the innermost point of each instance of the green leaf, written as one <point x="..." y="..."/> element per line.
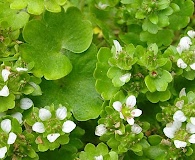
<point x="77" y="89"/>
<point x="7" y="102"/>
<point x="154" y="152"/>
<point x="46" y="38"/>
<point x="153" y="18"/>
<point x="149" y="26"/>
<point x="158" y="96"/>
<point x="154" y="139"/>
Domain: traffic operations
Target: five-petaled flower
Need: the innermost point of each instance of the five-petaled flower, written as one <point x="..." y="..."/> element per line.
<point x="127" y="110"/>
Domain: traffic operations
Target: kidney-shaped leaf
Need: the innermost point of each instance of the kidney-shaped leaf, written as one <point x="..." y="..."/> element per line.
<point x="45" y="39"/>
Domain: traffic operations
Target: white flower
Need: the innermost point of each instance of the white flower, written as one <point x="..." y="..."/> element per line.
<point x="18" y="116"/>
<point x="117" y="47"/>
<point x="192" y="138"/>
<point x="44" y="114"/>
<point x="38" y="127"/>
<point x="182" y="92"/>
<point x="6" y="125"/>
<point x="184" y="44"/>
<point x="180" y="144"/>
<point x="100" y="130"/>
<point x="171" y="128"/>
<point x="102" y="6"/>
<point x="191" y="33"/>
<point x="4" y="92"/>
<point x="181" y="63"/>
<point x="52" y="137"/>
<point x="192" y="119"/>
<point x="68" y="126"/>
<point x="3" y="151"/>
<point x="135" y="128"/>
<point x="130" y="103"/>
<point x="61" y="113"/>
<point x="20" y="69"/>
<point x="190" y="128"/>
<point x="12" y="138"/>
<point x="5" y="74"/>
<point x="192" y="66"/>
<point x="98" y="157"/>
<point x="125" y="78"/>
<point x="179" y="116"/>
<point x="26" y="103"/>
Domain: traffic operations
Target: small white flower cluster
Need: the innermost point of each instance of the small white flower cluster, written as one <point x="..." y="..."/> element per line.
<point x="184" y="45"/>
<point x="172" y="128"/>
<point x="4" y="92"/>
<point x="61" y="114"/>
<point x="131" y="112"/>
<point x="6" y="127"/>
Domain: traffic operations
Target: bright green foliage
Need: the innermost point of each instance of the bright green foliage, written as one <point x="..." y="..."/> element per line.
<point x="60" y="28"/>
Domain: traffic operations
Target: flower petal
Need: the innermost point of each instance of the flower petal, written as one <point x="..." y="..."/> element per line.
<point x="191" y="33"/>
<point x="44" y="114"/>
<point x="180" y="144"/>
<point x="185" y="43"/>
<point x="68" y="126"/>
<point x="117" y="47"/>
<point x="61" y="113"/>
<point x="12" y="138"/>
<point x="20" y="69"/>
<point x="117" y="106"/>
<point x="3" y="151"/>
<point x="192" y="66"/>
<point x="38" y="127"/>
<point x="136" y="112"/>
<point x="135" y="128"/>
<point x="179" y="104"/>
<point x="181" y="63"/>
<point x="192" y="138"/>
<point x="4" y="92"/>
<point x="26" y="103"/>
<point x="192" y="119"/>
<point x="125" y="78"/>
<point x="179" y="116"/>
<point x="98" y="157"/>
<point x="130" y="121"/>
<point x="131" y="101"/>
<point x="182" y="92"/>
<point x="5" y="74"/>
<point x="190" y="128"/>
<point x="52" y="137"/>
<point x="121" y="115"/>
<point x="169" y="132"/>
<point x="6" y="125"/>
<point x="100" y="130"/>
<point x="18" y="116"/>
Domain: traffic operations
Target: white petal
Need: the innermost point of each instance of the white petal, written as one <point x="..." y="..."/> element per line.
<point x="100" y="130"/>
<point x="98" y="157"/>
<point x="3" y="151"/>
<point x="185" y="43"/>
<point x="117" y="46"/>
<point x="192" y="138"/>
<point x="102" y="6"/>
<point x="179" y="49"/>
<point x="18" y="116"/>
<point x="191" y="33"/>
<point x="130" y="121"/>
<point x="6" y="125"/>
<point x="52" y="137"/>
<point x="5" y="74"/>
<point x="192" y="119"/>
<point x="181" y="63"/>
<point x="38" y="127"/>
<point x="169" y="132"/>
<point x="4" y="92"/>
<point x="179" y="116"/>
<point x="176" y="125"/>
<point x="192" y="66"/>
<point x="118" y="132"/>
<point x="121" y="115"/>
<point x="117" y="106"/>
<point x="180" y="144"/>
<point x="182" y="92"/>
<point x="44" y="114"/>
<point x="179" y="104"/>
<point x="20" y="69"/>
<point x="26" y="103"/>
<point x="12" y="138"/>
<point x="131" y="101"/>
<point x="136" y="112"/>
<point x="68" y="126"/>
<point x="125" y="78"/>
<point x="136" y="129"/>
<point x="190" y="128"/>
<point x="61" y="113"/>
